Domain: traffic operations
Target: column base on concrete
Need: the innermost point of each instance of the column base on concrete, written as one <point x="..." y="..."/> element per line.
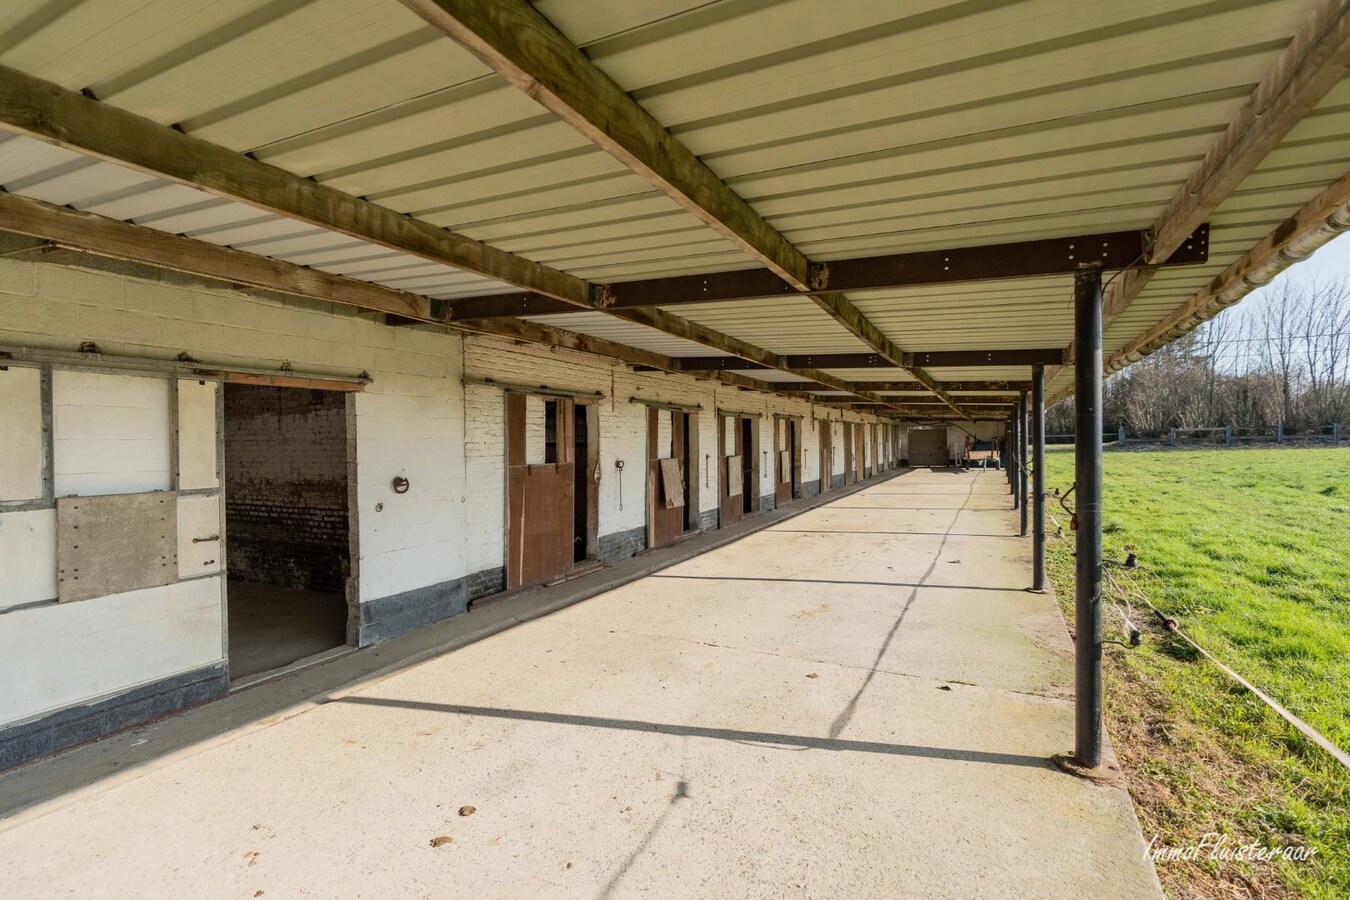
<point x="1105" y="773"/>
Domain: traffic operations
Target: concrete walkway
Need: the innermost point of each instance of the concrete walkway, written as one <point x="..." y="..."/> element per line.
<point x="860" y="700"/>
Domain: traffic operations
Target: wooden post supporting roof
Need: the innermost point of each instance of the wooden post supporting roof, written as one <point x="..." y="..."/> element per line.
<point x="527" y="50"/>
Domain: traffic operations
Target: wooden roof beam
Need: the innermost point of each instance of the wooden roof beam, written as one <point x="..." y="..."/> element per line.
<point x="747" y="356"/>
<point x="84" y="232"/>
<point x="48" y="112"/>
<point x="1316" y="58"/>
<point x="526" y="49"/>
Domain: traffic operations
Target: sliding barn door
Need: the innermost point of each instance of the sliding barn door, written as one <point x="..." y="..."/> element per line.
<point x="540" y="488"/>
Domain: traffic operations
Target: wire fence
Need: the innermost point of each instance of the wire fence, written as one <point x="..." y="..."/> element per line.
<point x="1219" y="436"/>
<point x="1122" y="591"/>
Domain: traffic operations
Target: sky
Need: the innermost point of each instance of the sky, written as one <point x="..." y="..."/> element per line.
<point x="1331" y="261"/>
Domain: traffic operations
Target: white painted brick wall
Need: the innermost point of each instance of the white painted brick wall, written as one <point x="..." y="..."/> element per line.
<point x="417" y="419"/>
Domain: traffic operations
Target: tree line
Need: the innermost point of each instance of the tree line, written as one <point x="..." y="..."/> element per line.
<point x="1283" y="358"/>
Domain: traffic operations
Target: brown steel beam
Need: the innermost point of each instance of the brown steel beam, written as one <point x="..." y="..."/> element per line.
<point x="1054" y="256"/>
<point x="998" y="388"/>
<point x="974" y="358"/>
<point x="951" y="359"/>
<point x="964" y="387"/>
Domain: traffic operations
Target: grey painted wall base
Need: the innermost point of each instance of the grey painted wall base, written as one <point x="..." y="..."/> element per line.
<point x="836" y="482"/>
<point x="707" y="520"/>
<point x="398" y="613"/>
<point x="622" y="544"/>
<point x="87" y="721"/>
<point x="810" y="489"/>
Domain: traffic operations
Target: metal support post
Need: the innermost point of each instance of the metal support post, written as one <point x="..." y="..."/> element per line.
<point x="1087" y="288"/>
<point x="1023" y="414"/>
<point x="1038" y="478"/>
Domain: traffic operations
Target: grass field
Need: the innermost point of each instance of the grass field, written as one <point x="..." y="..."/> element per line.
<point x="1250" y="551"/>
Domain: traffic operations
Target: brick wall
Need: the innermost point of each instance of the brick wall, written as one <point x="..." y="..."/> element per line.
<point x="286" y="487"/>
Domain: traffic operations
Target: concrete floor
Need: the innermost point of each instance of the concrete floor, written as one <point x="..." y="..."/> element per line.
<point x="859" y="700"/>
<point x="272" y="626"/>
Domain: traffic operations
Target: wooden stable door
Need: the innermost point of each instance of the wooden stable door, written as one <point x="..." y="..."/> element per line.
<point x="666" y="467"/>
<point x="540" y="488"/>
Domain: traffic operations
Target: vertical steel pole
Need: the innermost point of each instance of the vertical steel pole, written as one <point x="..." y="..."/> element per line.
<point x="1038" y="483"/>
<point x="1014" y="456"/>
<point x="1023" y="414"/>
<point x="1007" y="450"/>
<point x="1087" y="289"/>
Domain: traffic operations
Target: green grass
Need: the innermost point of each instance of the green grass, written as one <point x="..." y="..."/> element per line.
<point x="1250" y="551"/>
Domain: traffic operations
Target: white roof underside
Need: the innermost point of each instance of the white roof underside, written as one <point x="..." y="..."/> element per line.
<point x="854" y="127"/>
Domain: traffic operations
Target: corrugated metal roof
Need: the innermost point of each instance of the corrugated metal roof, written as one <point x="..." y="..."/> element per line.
<point x="854" y="127"/>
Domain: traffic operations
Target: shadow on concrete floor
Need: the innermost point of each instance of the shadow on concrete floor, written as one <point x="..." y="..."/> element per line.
<point x="762" y="738"/>
<point x="892" y="584"/>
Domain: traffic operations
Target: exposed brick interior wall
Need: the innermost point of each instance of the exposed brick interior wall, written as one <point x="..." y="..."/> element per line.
<point x="286" y="486"/>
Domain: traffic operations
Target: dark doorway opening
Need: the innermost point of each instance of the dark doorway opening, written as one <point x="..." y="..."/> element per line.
<point x="750" y="494"/>
<point x="287" y="535"/>
<point x="586" y="485"/>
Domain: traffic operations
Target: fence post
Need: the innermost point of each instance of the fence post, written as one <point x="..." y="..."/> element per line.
<point x="1228" y="435"/>
<point x="1335" y="432"/>
<point x="1279" y="433"/>
<point x="1120" y="437"/>
<point x="1171" y="437"/>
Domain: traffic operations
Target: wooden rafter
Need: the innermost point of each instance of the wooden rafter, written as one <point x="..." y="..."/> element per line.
<point x="527" y="50"/>
<point x="1321" y="219"/>
<point x="50" y="113"/>
<point x="84" y="232"/>
<point x="747" y="355"/>
<point x="1316" y="58"/>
